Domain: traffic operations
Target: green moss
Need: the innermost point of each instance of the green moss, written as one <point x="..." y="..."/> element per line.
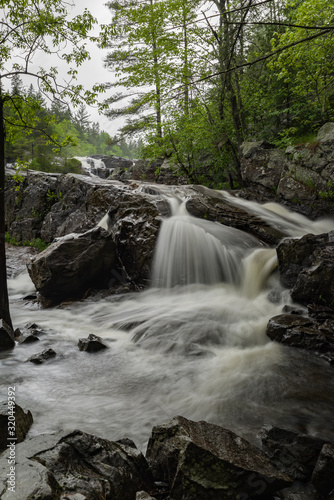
<point x="35" y="243"/>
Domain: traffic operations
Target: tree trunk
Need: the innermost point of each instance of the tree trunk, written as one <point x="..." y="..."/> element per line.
<point x="4" y="303"/>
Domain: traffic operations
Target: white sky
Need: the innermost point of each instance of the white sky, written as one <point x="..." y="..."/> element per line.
<point x="93" y="71"/>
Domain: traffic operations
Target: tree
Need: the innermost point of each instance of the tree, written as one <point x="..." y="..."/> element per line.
<point x="27" y="28"/>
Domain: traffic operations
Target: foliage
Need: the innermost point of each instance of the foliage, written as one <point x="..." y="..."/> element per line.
<point x="36" y="243"/>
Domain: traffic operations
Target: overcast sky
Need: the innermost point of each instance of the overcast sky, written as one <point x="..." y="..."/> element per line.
<point x="93" y="71"/>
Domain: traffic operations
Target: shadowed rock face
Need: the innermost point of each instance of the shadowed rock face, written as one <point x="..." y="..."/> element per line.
<point x="307" y="267"/>
<point x="204" y="461"/>
<point x="74" y="263"/>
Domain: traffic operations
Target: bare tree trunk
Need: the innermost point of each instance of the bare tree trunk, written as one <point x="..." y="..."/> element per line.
<point x="4" y="303"/>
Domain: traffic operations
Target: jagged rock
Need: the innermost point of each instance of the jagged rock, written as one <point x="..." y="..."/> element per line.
<point x="43" y="356"/>
<point x="295" y="454"/>
<point x="71" y="265"/>
<point x="7" y="337"/>
<point x="203" y="461"/>
<point x="92" y="344"/>
<point x="305" y="333"/>
<point x="323" y="474"/>
<point x="307" y="266"/>
<point x="94" y="467"/>
<point x="27" y="339"/>
<point x="23" y="420"/>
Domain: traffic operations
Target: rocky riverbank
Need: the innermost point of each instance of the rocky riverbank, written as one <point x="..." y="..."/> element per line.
<point x="102" y="235"/>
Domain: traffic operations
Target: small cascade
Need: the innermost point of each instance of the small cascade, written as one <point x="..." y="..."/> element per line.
<point x="257" y="267"/>
<point x="92" y="166"/>
<point x="277" y="216"/>
<point x="196" y="251"/>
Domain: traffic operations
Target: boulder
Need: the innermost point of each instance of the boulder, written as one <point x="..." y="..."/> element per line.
<point x="326" y="133"/>
<point x="306" y="333"/>
<point x="323" y="474"/>
<point x="306" y="265"/>
<point x="208" y="204"/>
<point x="22" y="418"/>
<point x="262" y="163"/>
<point x="92" y="344"/>
<point x="7" y="337"/>
<point x="96" y="468"/>
<point x="295" y="454"/>
<point x="203" y="461"/>
<point x="73" y="264"/>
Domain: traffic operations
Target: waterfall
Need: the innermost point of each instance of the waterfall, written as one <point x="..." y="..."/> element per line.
<point x="191" y="250"/>
<point x="193" y="344"/>
<point x="92" y="166"/>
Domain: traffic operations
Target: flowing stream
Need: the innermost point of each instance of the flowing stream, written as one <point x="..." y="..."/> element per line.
<point x="193" y="344"/>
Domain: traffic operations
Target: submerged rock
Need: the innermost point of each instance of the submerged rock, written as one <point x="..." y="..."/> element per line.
<point x="203" y="461"/>
<point x="92" y="344"/>
<point x="42" y="357"/>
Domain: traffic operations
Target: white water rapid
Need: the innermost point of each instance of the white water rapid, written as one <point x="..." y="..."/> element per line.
<point x="193" y="344"/>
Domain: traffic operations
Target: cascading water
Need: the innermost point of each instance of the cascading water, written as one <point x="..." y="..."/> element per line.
<point x="193" y="344"/>
<point x="191" y="250"/>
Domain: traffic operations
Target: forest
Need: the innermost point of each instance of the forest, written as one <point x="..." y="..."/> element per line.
<point x="193" y="80"/>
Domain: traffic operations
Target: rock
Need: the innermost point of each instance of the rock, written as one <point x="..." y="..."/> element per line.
<point x="91" y="344"/>
<point x="71" y="265"/>
<point x="32" y="479"/>
<point x="11" y="435"/>
<point x="203" y="461"/>
<point x="40" y="358"/>
<point x="27" y="339"/>
<point x="96" y="468"/>
<point x="142" y="495"/>
<point x="307" y="266"/>
<point x="305" y="333"/>
<point x="205" y="203"/>
<point x="323" y="474"/>
<point x="262" y="163"/>
<point x="7" y="337"/>
<point x="326" y="133"/>
<point x="293" y="453"/>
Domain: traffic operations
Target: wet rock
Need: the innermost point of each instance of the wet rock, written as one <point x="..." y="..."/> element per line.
<point x="7" y="337"/>
<point x="42" y="357"/>
<point x="96" y="468"/>
<point x="306" y="333"/>
<point x="323" y="474"/>
<point x="205" y="461"/>
<point x="142" y="495"/>
<point x="306" y="266"/>
<point x="71" y="265"/>
<point x="295" y="454"/>
<point x="208" y="204"/>
<point x="27" y="339"/>
<point x="92" y="344"/>
<point x="23" y="421"/>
